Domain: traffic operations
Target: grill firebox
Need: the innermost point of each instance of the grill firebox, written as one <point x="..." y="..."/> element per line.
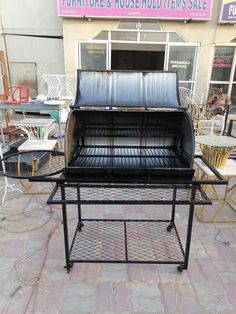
<point x="142" y="144"/>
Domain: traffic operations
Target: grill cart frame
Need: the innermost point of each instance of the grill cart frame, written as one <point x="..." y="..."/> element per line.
<point x="149" y="241"/>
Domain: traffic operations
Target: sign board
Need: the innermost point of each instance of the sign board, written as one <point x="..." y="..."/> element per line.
<point x="228" y="12"/>
<point x="158" y="9"/>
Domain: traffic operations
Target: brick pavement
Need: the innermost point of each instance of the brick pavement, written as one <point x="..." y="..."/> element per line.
<point x="208" y="286"/>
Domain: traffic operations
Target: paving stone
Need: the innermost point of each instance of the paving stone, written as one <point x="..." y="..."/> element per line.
<point x="104" y="296"/>
<point x="121" y="297"/>
<point x="149" y="305"/>
<point x="114" y="272"/>
<point x="79" y="304"/>
<point x="82" y="289"/>
<point x="212" y="296"/>
<point x="135" y="272"/>
<point x="144" y="289"/>
<point x="170" y="298"/>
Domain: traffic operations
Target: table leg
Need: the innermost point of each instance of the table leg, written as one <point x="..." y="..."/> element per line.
<point x="59" y="127"/>
<point x="230" y="127"/>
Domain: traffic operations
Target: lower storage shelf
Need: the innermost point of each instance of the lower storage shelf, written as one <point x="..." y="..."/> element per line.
<point x="128" y="241"/>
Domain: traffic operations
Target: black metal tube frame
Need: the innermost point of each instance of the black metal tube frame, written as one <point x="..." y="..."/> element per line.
<point x="62" y="183"/>
<point x="183" y="264"/>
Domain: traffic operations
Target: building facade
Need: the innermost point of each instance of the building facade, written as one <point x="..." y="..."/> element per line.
<point x="198" y="40"/>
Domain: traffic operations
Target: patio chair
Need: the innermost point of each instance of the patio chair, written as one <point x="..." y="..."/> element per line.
<point x="195" y="112"/>
<point x="215" y="125"/>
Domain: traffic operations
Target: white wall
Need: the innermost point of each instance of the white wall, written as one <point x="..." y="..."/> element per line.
<point x="31" y="17"/>
<point x="31" y="36"/>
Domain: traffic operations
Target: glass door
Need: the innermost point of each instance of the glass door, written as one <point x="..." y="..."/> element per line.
<point x="183" y="59"/>
<point x="92" y="55"/>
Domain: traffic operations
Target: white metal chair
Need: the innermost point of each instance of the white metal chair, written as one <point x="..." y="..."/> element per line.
<point x="58" y="86"/>
<point x="215" y="125"/>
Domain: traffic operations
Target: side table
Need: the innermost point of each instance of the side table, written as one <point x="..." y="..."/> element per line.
<point x="216" y="149"/>
<point x="228" y="172"/>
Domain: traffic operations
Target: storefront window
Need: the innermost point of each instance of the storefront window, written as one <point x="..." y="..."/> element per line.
<point x="222" y="63"/>
<point x="181" y="59"/>
<point x="93" y="56"/>
<point x="213" y="88"/>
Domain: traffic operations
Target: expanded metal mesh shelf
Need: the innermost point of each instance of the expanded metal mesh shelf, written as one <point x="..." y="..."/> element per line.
<point x="127" y="131"/>
<point x="129" y="156"/>
<point x="127" y="241"/>
<point x="127" y="194"/>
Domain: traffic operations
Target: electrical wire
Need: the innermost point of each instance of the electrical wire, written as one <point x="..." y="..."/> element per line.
<point x="10" y="299"/>
<point x="28" y="230"/>
<point x="25" y="214"/>
<point x="31" y="282"/>
<point x="224" y="242"/>
<point x="35" y="280"/>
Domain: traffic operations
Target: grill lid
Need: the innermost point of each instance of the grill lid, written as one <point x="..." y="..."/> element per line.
<point x="127" y="89"/>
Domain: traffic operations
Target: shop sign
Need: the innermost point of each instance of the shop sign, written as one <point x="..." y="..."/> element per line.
<point x="228" y="11"/>
<point x="158" y="9"/>
<point x="222" y="62"/>
<point x="178" y="64"/>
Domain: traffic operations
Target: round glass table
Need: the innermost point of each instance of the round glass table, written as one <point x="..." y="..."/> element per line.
<point x="216" y="149"/>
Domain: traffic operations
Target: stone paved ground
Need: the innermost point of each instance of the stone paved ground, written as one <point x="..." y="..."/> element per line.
<point x="33" y="279"/>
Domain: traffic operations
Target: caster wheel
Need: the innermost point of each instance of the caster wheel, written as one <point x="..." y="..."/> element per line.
<point x="70" y="266"/>
<point x="180" y="268"/>
<point x="169" y="227"/>
<point x="80" y="226"/>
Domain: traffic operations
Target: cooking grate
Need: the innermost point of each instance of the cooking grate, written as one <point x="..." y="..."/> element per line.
<point x="126" y="241"/>
<point x="127" y="131"/>
<point x="128" y="156"/>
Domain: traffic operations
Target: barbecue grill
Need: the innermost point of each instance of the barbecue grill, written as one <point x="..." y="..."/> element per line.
<point x="128" y="141"/>
<point x="154" y="139"/>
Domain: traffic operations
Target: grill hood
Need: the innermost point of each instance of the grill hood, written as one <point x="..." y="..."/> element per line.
<point x="127" y="89"/>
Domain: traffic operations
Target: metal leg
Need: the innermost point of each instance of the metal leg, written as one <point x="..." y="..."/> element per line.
<point x="189" y="231"/>
<point x="230" y="127"/>
<point x="80" y="223"/>
<point x="65" y="227"/>
<point x="172" y="223"/>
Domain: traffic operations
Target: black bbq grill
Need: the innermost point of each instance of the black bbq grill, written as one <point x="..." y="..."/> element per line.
<point x="128" y="141"/>
<point x="133" y="140"/>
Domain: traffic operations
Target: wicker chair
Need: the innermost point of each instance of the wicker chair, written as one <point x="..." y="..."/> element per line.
<point x="194" y="111"/>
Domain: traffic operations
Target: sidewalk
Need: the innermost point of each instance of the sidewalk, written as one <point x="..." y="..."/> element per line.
<point x="208" y="286"/>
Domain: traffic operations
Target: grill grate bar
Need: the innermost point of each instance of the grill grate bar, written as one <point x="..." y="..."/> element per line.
<point x="128" y="156"/>
<point x="127" y="131"/>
